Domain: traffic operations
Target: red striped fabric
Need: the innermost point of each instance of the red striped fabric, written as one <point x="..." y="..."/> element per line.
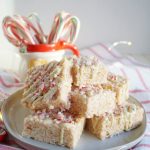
<point x="145" y="102"/>
<point x="141" y="78"/>
<point x="9" y="85"/>
<point x="143" y="145"/>
<point x="139" y="91"/>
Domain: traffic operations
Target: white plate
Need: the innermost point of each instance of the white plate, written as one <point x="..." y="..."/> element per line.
<point x="13" y="115"/>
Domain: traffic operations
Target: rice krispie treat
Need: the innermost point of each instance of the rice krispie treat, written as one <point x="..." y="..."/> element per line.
<point x="60" y="128"/>
<point x="48" y="85"/>
<point x="119" y="85"/>
<point x="92" y="100"/>
<point x="88" y="71"/>
<point x="124" y="118"/>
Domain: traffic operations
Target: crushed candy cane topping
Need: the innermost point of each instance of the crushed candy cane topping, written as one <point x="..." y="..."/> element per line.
<point x="88" y="89"/>
<point x="41" y="79"/>
<point x="116" y="78"/>
<point x="111" y="77"/>
<point x="60" y="116"/>
<point x="87" y="61"/>
<point x="120" y="109"/>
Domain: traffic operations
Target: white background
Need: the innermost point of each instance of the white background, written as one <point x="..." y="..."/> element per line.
<point x="101" y="20"/>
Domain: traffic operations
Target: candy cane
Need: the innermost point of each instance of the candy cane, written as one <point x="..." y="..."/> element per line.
<point x="57" y="21"/>
<point x="8" y="24"/>
<point x="62" y="23"/>
<point x="61" y="30"/>
<point x="74" y="24"/>
<point x="18" y="30"/>
<point x="29" y="25"/>
<point x="15" y="31"/>
<point x="21" y="30"/>
<point x="35" y="17"/>
<point x="57" y="27"/>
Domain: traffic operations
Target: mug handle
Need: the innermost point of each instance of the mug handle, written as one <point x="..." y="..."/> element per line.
<point x="61" y="45"/>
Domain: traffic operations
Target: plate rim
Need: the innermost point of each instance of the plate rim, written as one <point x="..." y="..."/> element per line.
<point x="12" y="133"/>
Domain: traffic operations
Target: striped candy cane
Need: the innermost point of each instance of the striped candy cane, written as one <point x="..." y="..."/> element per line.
<point x="16" y="31"/>
<point x="64" y="23"/>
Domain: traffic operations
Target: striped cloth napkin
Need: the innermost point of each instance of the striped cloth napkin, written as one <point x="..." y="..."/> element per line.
<point x="137" y="73"/>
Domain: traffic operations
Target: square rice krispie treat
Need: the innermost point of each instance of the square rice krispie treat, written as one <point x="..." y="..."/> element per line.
<point x="124" y="118"/>
<point x="92" y="100"/>
<point x="60" y="128"/>
<point x="119" y="85"/>
<point x="88" y="71"/>
<point x="48" y="85"/>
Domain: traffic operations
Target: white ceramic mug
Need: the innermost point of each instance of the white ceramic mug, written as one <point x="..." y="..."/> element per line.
<point x="43" y="53"/>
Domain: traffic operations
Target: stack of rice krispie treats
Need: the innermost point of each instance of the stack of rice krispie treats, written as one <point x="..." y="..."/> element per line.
<point x="76" y="93"/>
